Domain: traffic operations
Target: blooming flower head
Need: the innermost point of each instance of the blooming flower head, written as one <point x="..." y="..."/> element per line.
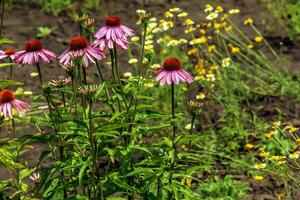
<point x="172" y="72"/>
<point x="8" y="53"/>
<point x="79" y="47"/>
<point x="113" y="32"/>
<point x="34" y="53"/>
<point x="8" y="101"/>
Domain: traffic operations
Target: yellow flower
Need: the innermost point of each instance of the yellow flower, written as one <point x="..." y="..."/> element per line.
<point x="202" y="31"/>
<point x="148" y="42"/>
<point x="269" y="134"/>
<point x="140" y="11"/>
<point x="34" y="74"/>
<point x="175" y="10"/>
<point x="228" y="28"/>
<point x="294" y="155"/>
<point x="276" y="124"/>
<point x="172" y="43"/>
<point x="226" y="62"/>
<point x="264" y="154"/>
<point x="188" y="22"/>
<point x="235" y="50"/>
<point x="261" y="149"/>
<point x="217" y="25"/>
<point x="219" y="9"/>
<point x="189" y="182"/>
<point x="201" y="40"/>
<point x="183" y="14"/>
<point x="260" y="166"/>
<point x="212" y="16"/>
<point x="192" y="51"/>
<point x="168" y="14"/>
<point x="224" y="17"/>
<point x="182" y="41"/>
<point x="249" y="146"/>
<point x="188" y="127"/>
<point x="135" y="39"/>
<point x="190" y="29"/>
<point x="280" y="162"/>
<point x="258" y="178"/>
<point x="200" y="96"/>
<point x="149" y="47"/>
<point x="155" y="66"/>
<point x="211" y="48"/>
<point x="208" y="8"/>
<point x="258" y="39"/>
<point x="132" y="61"/>
<point x="127" y="74"/>
<point x="214" y="67"/>
<point x="250" y="46"/>
<point x="234" y="11"/>
<point x="248" y="21"/>
<point x="157" y="30"/>
<point x="277" y="158"/>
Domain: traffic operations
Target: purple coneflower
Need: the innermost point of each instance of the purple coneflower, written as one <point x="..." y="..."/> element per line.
<point x="8" y="101"/>
<point x="112" y="32"/>
<point x="33" y="53"/>
<point x="172" y="73"/>
<point x="79" y="47"/>
<point x="8" y="53"/>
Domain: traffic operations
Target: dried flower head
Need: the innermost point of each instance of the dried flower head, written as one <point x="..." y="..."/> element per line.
<point x="60" y="82"/>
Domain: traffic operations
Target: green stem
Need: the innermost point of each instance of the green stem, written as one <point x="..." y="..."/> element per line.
<point x="40" y="73"/>
<point x="172" y="163"/>
<point x="143" y="50"/>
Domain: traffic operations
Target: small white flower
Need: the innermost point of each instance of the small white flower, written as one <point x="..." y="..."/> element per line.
<point x="127" y="74"/>
<point x="188" y="127"/>
<point x="132" y="61"/>
<point x="35" y="177"/>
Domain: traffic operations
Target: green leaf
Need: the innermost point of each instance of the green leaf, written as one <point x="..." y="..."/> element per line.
<point x="25" y="173"/>
<point x="7" y="83"/>
<point x="82" y="171"/>
<point x="6" y="41"/>
<point x="116" y="198"/>
<point x="137" y="147"/>
<point x="4" y="65"/>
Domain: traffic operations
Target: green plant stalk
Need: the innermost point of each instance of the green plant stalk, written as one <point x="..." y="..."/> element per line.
<point x="102" y="81"/>
<point x="118" y="76"/>
<point x="74" y="92"/>
<point x="172" y="163"/>
<point x="40" y="73"/>
<point x="144" y="33"/>
<point x="94" y="147"/>
<point x="113" y="73"/>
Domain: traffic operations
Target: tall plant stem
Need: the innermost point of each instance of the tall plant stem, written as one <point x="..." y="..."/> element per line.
<point x="118" y="76"/>
<point x="102" y="81"/>
<point x="10" y="69"/>
<point x="190" y="140"/>
<point x="111" y="51"/>
<point x="40" y="73"/>
<point x="143" y="49"/>
<point x="2" y="17"/>
<point x="172" y="163"/>
<point x="94" y="147"/>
